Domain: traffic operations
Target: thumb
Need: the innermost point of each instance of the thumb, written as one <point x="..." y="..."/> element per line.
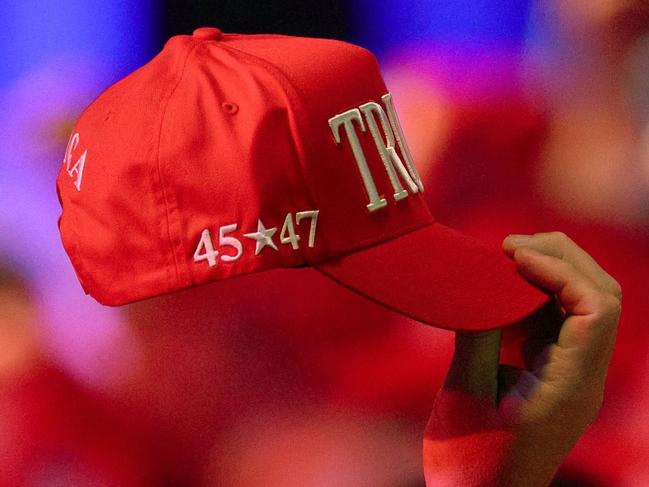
<point x="474" y="368"/>
<point x="467" y="400"/>
<point x="464" y="443"/>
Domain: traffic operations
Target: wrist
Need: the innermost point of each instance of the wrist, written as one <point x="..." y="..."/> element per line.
<point x="465" y="443"/>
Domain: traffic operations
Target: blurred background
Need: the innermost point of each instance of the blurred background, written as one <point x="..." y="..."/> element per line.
<point x="523" y="116"/>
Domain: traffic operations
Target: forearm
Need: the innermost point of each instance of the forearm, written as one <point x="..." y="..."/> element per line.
<point x="467" y="444"/>
<point x="536" y="454"/>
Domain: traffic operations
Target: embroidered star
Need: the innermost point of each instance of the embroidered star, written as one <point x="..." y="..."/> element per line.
<point x="263" y="236"/>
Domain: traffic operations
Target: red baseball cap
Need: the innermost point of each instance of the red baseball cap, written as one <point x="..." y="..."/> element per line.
<point x="231" y="154"/>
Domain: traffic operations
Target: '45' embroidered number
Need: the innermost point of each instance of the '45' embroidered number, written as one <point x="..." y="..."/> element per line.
<point x="263" y="238"/>
<point x="205" y="249"/>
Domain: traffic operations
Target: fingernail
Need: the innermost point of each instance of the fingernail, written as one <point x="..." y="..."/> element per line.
<point x="529" y="251"/>
<point x="519" y="239"/>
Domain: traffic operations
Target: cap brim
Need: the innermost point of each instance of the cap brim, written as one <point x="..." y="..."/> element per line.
<point x="440" y="277"/>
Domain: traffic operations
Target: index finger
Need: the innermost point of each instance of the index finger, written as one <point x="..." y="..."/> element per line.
<point x="559" y="245"/>
<point x="592" y="314"/>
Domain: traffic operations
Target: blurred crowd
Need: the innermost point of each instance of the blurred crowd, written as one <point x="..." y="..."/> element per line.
<point x="285" y="379"/>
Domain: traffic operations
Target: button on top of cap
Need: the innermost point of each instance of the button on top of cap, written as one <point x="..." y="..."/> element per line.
<point x="208" y="33"/>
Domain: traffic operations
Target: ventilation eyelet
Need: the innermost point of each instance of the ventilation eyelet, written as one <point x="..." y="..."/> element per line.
<point x="230" y="107"/>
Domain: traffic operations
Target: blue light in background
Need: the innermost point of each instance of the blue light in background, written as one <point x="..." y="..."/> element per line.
<point x="56" y="56"/>
<point x="393" y="23"/>
<point x="120" y="33"/>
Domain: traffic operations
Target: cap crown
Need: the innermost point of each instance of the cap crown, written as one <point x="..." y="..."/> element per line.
<point x="227" y="156"/>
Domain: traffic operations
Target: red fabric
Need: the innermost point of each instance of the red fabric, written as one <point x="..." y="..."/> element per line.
<point x="438" y="276"/>
<point x="222" y="130"/>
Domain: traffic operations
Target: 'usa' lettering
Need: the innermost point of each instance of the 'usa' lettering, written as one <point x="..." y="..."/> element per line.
<point x="75" y="171"/>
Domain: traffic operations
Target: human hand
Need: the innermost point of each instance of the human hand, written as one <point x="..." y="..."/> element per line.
<point x="501" y="425"/>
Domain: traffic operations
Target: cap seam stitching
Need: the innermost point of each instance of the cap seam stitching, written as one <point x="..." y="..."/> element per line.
<point x="369" y="242"/>
<point x="293" y="95"/>
<point x="285" y="82"/>
<point x="158" y="165"/>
